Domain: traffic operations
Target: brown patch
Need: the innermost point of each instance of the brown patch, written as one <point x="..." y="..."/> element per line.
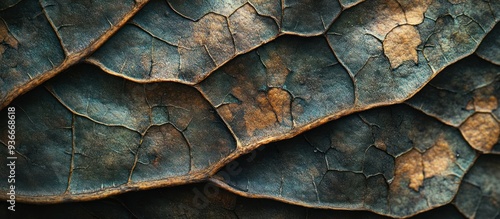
<point x="481" y="130"/>
<point x="389" y="15"/>
<point x="280" y="102"/>
<point x="380" y="144"/>
<point x="485" y="104"/>
<point x="484" y="99"/>
<point x="260" y="116"/>
<point x="409" y="168"/>
<point x="276" y="70"/>
<point x="400" y="45"/>
<point x="414" y="10"/>
<point x="271" y="108"/>
<point x="6" y="38"/>
<point x="225" y="112"/>
<point x="438" y="158"/>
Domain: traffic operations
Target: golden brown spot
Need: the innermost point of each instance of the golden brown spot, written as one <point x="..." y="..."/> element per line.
<point x="414" y="10"/>
<point x="485" y="104"/>
<point x="272" y="108"/>
<point x="409" y="168"/>
<point x="400" y="45"/>
<point x="276" y="70"/>
<point x="6" y="37"/>
<point x="146" y="63"/>
<point x="484" y="99"/>
<point x="481" y="130"/>
<point x="225" y="112"/>
<point x="389" y="15"/>
<point x="260" y="116"/>
<point x="156" y="161"/>
<point x="280" y="102"/>
<point x="438" y="158"/>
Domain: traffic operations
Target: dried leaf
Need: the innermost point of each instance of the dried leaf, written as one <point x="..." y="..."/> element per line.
<point x="341" y="165"/>
<point x="79" y="140"/>
<point x="41" y="39"/>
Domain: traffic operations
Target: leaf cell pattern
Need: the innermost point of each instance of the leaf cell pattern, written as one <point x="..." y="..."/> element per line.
<point x="331" y="109"/>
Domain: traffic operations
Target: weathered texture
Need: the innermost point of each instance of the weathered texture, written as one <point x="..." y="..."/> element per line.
<point x="78" y="139"/>
<point x="173" y="48"/>
<point x="196" y="201"/>
<point x="465" y="95"/>
<point x="479" y="193"/>
<point x="186" y="87"/>
<point x="161" y="45"/>
<point x="481" y="130"/>
<point x="400" y="45"/>
<point x="279" y="88"/>
<point x="397" y="46"/>
<point x="41" y="39"/>
<point x="418" y="168"/>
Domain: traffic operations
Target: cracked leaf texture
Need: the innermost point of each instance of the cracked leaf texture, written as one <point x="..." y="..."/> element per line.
<point x="252" y="108"/>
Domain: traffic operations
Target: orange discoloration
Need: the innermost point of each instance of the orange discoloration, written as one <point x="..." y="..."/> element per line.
<point x="211" y="32"/>
<point x="438" y="158"/>
<point x="225" y="112"/>
<point x="271" y="108"/>
<point x="470" y="105"/>
<point x="260" y="116"/>
<point x="413" y="167"/>
<point x="280" y="102"/>
<point x="481" y="130"/>
<point x="484" y="99"/>
<point x="6" y="37"/>
<point x="409" y="168"/>
<point x="400" y="45"/>
<point x="485" y="104"/>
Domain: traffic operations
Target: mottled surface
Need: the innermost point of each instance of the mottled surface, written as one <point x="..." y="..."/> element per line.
<point x="465" y="95"/>
<point x="76" y="137"/>
<point x="42" y="38"/>
<point x="165" y="93"/>
<point x="394" y="161"/>
<point x="267" y="93"/>
<point x="479" y="194"/>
